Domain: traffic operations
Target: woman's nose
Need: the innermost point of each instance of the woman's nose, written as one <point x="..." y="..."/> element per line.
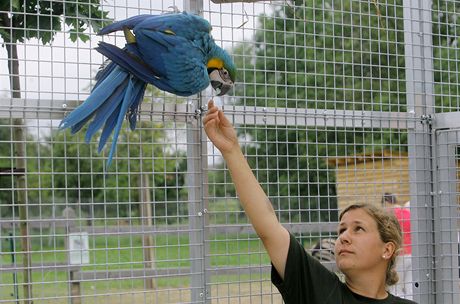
<point x="344" y="237"/>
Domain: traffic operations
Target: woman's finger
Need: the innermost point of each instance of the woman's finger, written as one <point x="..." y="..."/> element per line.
<point x="223" y="119"/>
<point x="210" y="115"/>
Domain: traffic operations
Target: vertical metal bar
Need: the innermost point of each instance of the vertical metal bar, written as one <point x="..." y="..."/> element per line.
<point x="196" y="212"/>
<point x="204" y="196"/>
<point x="196" y="206"/>
<point x="419" y="93"/>
<point x="193" y="6"/>
<point x="447" y="271"/>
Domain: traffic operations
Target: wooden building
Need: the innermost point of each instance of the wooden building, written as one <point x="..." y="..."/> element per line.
<point x="364" y="178"/>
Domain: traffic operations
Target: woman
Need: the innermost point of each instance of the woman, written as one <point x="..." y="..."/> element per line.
<point x="365" y="250"/>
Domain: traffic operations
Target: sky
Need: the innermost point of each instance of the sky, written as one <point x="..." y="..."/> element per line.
<point x="64" y="70"/>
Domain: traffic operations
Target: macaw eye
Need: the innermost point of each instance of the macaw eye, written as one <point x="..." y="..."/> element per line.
<point x="224" y="74"/>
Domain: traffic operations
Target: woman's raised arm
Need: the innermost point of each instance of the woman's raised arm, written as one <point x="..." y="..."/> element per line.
<point x="252" y="197"/>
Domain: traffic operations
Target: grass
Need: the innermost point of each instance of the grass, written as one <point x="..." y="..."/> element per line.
<point x="124" y="253"/>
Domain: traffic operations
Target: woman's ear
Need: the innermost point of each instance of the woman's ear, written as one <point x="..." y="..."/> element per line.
<point x="388" y="250"/>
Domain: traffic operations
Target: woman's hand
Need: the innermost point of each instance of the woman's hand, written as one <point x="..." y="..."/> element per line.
<point x="219" y="130"/>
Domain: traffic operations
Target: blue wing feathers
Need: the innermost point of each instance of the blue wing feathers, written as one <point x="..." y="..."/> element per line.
<point x="127" y="23"/>
<point x="182" y="24"/>
<point x="161" y="41"/>
<point x="135" y="66"/>
<point x="128" y="61"/>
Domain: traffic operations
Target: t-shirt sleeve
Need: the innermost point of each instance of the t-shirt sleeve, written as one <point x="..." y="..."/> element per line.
<point x="305" y="279"/>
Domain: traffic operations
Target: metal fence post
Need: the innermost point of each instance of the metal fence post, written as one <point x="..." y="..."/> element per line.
<point x="419" y="93"/>
<point x="196" y="204"/>
<point x="196" y="211"/>
<point x="193" y="6"/>
<point x="447" y="264"/>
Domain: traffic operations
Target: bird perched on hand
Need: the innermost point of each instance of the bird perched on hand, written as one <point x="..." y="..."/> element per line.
<point x="174" y="52"/>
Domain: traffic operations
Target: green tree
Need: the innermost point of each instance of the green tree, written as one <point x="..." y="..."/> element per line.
<point x="21" y="20"/>
<point x="71" y="171"/>
<point x="76" y="172"/>
<point x="322" y="55"/>
<point x="25" y="19"/>
<point x="6" y="165"/>
<point x="8" y="187"/>
<point x="328" y="55"/>
<point x="446" y="52"/>
<point x="333" y="55"/>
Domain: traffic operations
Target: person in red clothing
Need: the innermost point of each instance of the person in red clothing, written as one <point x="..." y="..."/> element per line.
<point x="404" y="265"/>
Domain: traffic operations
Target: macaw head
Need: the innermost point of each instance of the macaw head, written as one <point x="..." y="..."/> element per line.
<point x="222" y="73"/>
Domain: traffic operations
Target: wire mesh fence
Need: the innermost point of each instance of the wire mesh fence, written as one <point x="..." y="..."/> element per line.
<point x="336" y="102"/>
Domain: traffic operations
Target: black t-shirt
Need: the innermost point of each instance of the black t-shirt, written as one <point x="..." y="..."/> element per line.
<point x="307" y="281"/>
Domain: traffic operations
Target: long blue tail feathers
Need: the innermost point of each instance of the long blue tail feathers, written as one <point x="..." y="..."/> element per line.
<point x="115" y="93"/>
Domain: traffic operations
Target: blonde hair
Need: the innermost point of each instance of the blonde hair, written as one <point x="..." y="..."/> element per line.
<point x="389" y="231"/>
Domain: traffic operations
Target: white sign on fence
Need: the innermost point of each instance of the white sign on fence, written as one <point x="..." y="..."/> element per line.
<point x="78" y="248"/>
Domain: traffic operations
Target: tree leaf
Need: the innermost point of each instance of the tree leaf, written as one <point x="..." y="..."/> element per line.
<point x="83" y="37"/>
<point x="73" y="36"/>
<point x="15" y="4"/>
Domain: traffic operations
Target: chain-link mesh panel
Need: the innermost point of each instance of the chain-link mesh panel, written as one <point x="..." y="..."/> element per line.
<point x="335" y="102"/>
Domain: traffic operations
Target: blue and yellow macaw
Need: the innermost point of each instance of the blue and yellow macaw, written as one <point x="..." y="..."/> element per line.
<point x="174" y="52"/>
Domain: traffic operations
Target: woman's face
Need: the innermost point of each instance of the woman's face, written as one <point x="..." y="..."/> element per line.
<point x="359" y="247"/>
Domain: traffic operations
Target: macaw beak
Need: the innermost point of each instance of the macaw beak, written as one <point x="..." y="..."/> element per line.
<point x="220" y="81"/>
